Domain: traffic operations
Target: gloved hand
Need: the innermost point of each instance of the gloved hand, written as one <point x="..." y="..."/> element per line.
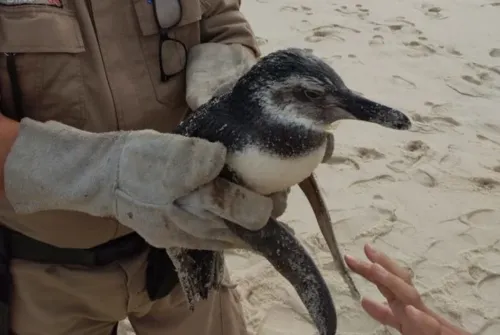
<point x="214" y="68"/>
<point x="160" y="185"/>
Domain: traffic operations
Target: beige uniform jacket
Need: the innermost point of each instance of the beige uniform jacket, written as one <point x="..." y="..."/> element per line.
<point x="93" y="64"/>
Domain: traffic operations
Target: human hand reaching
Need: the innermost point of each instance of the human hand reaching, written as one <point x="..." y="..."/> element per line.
<point x="404" y="309"/>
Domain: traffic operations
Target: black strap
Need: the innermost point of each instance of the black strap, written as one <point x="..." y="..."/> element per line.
<point x="161" y="276"/>
<point x="5" y="283"/>
<point x="24" y="247"/>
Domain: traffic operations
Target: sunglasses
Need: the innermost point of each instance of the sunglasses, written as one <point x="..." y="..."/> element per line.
<point x="172" y="52"/>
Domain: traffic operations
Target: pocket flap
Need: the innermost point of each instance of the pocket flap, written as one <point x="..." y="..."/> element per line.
<point x="190" y="11"/>
<point x="30" y="29"/>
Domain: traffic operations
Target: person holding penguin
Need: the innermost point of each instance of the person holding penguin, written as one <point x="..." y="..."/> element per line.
<point x="79" y="83"/>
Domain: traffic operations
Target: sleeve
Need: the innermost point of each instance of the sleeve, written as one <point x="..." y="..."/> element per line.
<point x="223" y="22"/>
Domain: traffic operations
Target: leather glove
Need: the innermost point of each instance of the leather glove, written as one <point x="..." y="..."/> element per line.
<point x="160" y="185"/>
<point x="280" y="202"/>
<point x="214" y="68"/>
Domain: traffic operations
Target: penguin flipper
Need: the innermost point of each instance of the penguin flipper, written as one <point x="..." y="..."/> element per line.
<point x="311" y="190"/>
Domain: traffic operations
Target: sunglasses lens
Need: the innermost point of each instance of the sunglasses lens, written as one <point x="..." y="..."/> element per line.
<point x="173" y="57"/>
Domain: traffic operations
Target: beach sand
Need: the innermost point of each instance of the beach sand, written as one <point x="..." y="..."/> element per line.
<point x="429" y="197"/>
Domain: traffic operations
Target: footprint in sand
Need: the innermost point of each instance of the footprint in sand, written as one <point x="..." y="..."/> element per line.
<point x="359" y="11"/>
<point x="492" y="133"/>
<point x="418" y="49"/>
<point x="492" y="128"/>
<point x="488" y="287"/>
<point x="492" y="4"/>
<point x="383" y="178"/>
<point x="476" y="272"/>
<point x="371" y="222"/>
<point x="417" y="146"/>
<point x="413" y="152"/>
<point x="417" y="44"/>
<point x="485" y="183"/>
<point x="493" y="328"/>
<point x="487" y="139"/>
<point x="316" y="243"/>
<point x="432" y="124"/>
<point x="343" y="162"/>
<point x="479" y="81"/>
<point x="424" y="178"/>
<point x="436" y="108"/>
<point x="368" y="154"/>
<point x="495" y="53"/>
<point x="295" y="9"/>
<point x="450" y="160"/>
<point x="478" y="218"/>
<point x="398" y="25"/>
<point x="495" y="168"/>
<point x="331" y="31"/>
<point x="451" y="50"/>
<point x="400" y="81"/>
<point x="432" y="11"/>
<point x="376" y="40"/>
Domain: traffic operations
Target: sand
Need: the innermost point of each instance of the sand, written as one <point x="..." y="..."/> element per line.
<point x="429" y="197"/>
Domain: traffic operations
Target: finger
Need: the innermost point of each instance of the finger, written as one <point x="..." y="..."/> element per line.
<point x="380" y="312"/>
<point x="402" y="291"/>
<point x="194" y="232"/>
<point x="280" y="200"/>
<point x="399" y="312"/>
<point x="386" y="262"/>
<point x="365" y="270"/>
<point x="184" y="240"/>
<point x="425" y="323"/>
<point x="231" y="202"/>
<point x="362" y="268"/>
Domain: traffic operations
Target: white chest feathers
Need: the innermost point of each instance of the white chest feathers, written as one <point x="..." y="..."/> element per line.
<point x="266" y="173"/>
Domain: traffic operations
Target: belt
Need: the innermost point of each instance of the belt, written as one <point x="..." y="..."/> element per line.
<point x="161" y="276"/>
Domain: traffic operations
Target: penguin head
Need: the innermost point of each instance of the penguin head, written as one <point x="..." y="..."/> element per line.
<point x="293" y="86"/>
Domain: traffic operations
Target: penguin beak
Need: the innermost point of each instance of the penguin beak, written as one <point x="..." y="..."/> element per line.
<point x="350" y="105"/>
<point x="370" y="111"/>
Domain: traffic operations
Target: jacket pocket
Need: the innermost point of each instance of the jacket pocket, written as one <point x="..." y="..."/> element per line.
<point x="187" y="31"/>
<point x="47" y="45"/>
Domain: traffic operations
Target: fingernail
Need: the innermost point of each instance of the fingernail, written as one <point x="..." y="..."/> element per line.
<point x="349" y="258"/>
<point x="371" y="249"/>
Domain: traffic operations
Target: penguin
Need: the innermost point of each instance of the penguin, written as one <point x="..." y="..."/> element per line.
<point x="275" y="125"/>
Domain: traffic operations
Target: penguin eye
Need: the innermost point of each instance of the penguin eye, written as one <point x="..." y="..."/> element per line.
<point x="307" y="95"/>
<point x="312" y="95"/>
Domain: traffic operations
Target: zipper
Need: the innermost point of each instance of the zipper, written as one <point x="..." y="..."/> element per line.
<point x="91" y="14"/>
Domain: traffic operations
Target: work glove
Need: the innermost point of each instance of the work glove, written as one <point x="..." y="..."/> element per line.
<point x="213" y="69"/>
<point x="163" y="186"/>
